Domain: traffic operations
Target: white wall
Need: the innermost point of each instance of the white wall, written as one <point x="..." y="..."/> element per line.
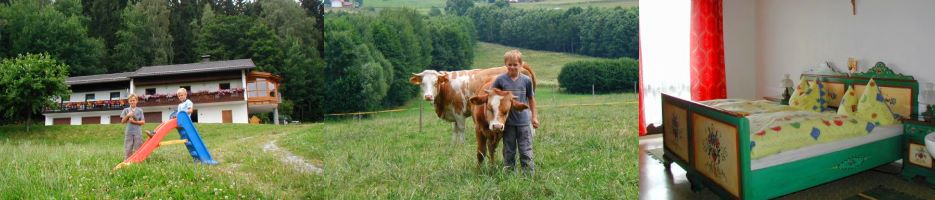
<point x="98" y="95"/>
<point x="199" y="86"/>
<point x="794" y="35"/>
<point x="209" y="112"/>
<point x="76" y="116"/>
<point x="740" y="48"/>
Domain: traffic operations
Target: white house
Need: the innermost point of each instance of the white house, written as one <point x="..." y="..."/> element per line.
<point x="222" y="91"/>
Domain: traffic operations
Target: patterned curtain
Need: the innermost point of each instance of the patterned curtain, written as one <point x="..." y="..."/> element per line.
<point x="708" y="80"/>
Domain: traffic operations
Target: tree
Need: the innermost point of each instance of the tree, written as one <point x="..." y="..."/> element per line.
<point x="31" y="27"/>
<point x="435" y="11"/>
<point x="303" y="82"/>
<point x="105" y="20"/>
<point x="184" y="14"/>
<point x="144" y="37"/>
<point x="452" y="42"/>
<point x="30" y="83"/>
<point x="356" y="74"/>
<point x="458" y="7"/>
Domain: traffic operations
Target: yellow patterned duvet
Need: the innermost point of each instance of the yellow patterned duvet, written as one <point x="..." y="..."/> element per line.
<point x="776" y="128"/>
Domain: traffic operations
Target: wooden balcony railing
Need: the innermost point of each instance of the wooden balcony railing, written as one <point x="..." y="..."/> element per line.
<point x="99" y="105"/>
<point x="148" y="100"/>
<point x="235" y="94"/>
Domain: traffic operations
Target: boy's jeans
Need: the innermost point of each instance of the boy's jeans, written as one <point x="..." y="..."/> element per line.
<point x="513" y="136"/>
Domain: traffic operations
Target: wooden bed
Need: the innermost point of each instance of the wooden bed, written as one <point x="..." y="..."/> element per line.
<point x="713" y="145"/>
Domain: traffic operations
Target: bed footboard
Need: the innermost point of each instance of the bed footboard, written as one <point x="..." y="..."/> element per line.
<point x="711" y="144"/>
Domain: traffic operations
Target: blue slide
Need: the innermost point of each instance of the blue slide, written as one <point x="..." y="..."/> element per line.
<point x="195" y="145"/>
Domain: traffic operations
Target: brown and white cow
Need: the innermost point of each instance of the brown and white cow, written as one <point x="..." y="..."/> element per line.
<point x="491" y="110"/>
<point x="451" y="98"/>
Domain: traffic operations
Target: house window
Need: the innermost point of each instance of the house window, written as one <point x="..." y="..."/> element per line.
<point x="89" y="97"/>
<point x="224" y="86"/>
<point x="150" y="91"/>
<point x="66" y="98"/>
<point x="114" y="95"/>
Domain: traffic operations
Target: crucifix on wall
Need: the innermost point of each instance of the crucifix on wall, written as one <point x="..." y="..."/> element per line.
<point x="854" y="7"/>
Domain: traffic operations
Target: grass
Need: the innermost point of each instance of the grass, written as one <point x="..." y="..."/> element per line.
<point x="424" y="6"/>
<point x="581" y="152"/>
<point x="75" y="162"/>
<point x="565" y="4"/>
<point x="546" y="64"/>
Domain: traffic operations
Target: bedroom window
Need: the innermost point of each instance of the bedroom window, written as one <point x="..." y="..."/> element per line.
<point x="150" y="91"/>
<point x="224" y="86"/>
<point x="89" y="97"/>
<point x="114" y="95"/>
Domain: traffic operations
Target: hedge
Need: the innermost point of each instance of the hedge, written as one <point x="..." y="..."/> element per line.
<point x="607" y="76"/>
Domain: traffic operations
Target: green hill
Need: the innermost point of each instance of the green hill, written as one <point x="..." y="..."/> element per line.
<point x="546" y="64"/>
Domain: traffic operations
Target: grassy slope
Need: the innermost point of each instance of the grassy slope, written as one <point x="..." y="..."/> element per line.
<point x="76" y="162"/>
<point x="581" y="151"/>
<point x="425" y="5"/>
<point x="546" y="64"/>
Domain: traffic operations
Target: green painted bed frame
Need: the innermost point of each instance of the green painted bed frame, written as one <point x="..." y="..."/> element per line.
<point x="683" y="146"/>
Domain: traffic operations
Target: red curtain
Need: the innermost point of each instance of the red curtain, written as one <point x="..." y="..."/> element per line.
<point x="707" y="51"/>
<point x="642" y="123"/>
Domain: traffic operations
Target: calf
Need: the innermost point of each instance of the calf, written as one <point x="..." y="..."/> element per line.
<point x="450" y="98"/>
<point x="491" y="109"/>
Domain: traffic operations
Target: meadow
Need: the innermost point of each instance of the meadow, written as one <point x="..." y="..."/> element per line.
<point x="75" y="162"/>
<point x="546" y="64"/>
<point x="584" y="149"/>
<point x="581" y="152"/>
<point x="424" y="6"/>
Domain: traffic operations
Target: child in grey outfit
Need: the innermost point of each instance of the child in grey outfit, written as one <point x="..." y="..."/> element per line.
<point x="133" y="117"/>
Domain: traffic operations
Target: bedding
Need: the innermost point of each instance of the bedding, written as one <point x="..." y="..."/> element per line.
<point x="806" y="97"/>
<point x="747" y="107"/>
<point x="826" y="95"/>
<point x="848" y="104"/>
<point x="776" y="132"/>
<point x="776" y="128"/>
<point x="879" y="133"/>
<point x="872" y="106"/>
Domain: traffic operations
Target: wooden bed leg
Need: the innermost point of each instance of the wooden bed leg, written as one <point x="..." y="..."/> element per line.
<point x="667" y="163"/>
<point x="696" y="184"/>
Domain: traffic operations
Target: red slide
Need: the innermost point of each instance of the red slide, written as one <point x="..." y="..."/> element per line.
<point x="151" y="144"/>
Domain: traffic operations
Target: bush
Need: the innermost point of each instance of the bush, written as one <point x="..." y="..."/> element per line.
<point x="618" y="75"/>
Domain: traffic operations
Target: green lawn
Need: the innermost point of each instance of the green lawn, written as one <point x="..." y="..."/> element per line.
<point x="546" y="64"/>
<point x="66" y="162"/>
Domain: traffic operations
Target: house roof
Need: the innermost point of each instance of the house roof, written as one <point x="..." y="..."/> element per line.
<point x="100" y="78"/>
<point x="213" y="66"/>
<point x="161" y="70"/>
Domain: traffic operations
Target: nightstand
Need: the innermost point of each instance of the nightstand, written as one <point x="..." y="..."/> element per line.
<point x="916" y="159"/>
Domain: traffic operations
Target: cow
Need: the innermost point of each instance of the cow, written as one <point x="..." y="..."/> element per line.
<point x="491" y="110"/>
<point x="451" y="99"/>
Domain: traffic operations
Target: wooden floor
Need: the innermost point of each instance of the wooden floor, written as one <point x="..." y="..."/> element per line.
<point x="657" y="183"/>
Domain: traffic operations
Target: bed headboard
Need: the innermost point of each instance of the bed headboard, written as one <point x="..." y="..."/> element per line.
<point x="900" y="91"/>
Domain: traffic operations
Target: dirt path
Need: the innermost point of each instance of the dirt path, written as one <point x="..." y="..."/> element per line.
<point x="289" y="158"/>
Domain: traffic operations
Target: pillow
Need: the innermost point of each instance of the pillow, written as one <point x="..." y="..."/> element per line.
<point x="848" y="104"/>
<point x="805" y="97"/>
<point x="826" y="96"/>
<point x="873" y="108"/>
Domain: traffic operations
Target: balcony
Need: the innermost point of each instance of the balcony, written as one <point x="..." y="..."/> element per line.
<point x="262" y="88"/>
<point x="99" y="105"/>
<point x="226" y="95"/>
